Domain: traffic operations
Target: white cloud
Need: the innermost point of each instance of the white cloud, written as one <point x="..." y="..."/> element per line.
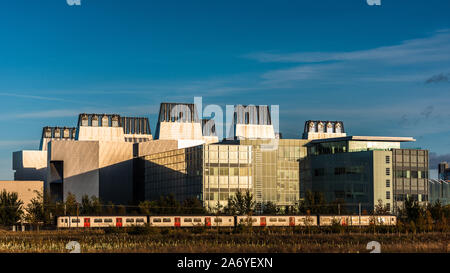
<point x="430" y="49"/>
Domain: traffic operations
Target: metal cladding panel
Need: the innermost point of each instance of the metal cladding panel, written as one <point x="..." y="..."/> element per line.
<point x="29" y="159"/>
<point x="30" y="165"/>
<point x="179" y="130"/>
<point x="111" y="153"/>
<point x="87" y="133"/>
<point x="155" y="146"/>
<point x="81" y="163"/>
<point x="116" y="172"/>
<point x="252" y="114"/>
<point x="250" y="131"/>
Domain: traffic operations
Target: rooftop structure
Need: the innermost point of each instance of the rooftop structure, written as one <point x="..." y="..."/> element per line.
<point x="319" y="129"/>
<point x="252" y="122"/>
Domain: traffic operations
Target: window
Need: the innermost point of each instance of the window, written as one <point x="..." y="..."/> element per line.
<point x="388" y="159"/>
<point x="167" y="220"/>
<point x="75" y="220"/>
<point x="98" y="220"/>
<point x="217" y="220"/>
<point x="129" y="220"/>
<point x="388" y="171"/>
<point x="157" y="220"/>
<point x="197" y="220"/>
<point x="224" y="171"/>
<point x="188" y="220"/>
<point x="388" y="206"/>
<point x="388" y="195"/>
<point x="140" y="220"/>
<point x="388" y="183"/>
<point x="339" y="171"/>
<point x="319" y="172"/>
<point x="109" y="220"/>
<point x="272" y="219"/>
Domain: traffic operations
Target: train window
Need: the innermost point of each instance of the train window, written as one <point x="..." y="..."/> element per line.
<point x="254" y="220"/>
<point x="109" y="220"/>
<point x="139" y="220"/>
<point x="217" y="220"/>
<point x="156" y="220"/>
<point x="187" y="220"/>
<point x="282" y="219"/>
<point x="167" y="220"/>
<point x="129" y="220"/>
<point x="197" y="220"/>
<point x="272" y="219"/>
<point x="62" y="220"/>
<point x="75" y="220"/>
<point x="65" y="220"/>
<point x="98" y="220"/>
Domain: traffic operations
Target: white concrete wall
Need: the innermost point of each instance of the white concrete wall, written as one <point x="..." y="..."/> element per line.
<point x="180" y="130"/>
<point x="252" y="131"/>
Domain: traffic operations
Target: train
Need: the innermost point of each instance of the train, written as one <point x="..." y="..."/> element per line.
<point x="224" y="221"/>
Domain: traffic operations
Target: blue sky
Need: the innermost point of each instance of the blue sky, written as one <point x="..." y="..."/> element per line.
<point x="383" y="70"/>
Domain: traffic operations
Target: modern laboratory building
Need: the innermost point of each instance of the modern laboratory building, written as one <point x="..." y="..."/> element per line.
<point x="365" y="169"/>
<point x="117" y="159"/>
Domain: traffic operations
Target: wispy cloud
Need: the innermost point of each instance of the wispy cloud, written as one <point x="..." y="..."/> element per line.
<point x="16" y="143"/>
<point x="408" y="61"/>
<point x="58" y="113"/>
<point x="439" y="78"/>
<point x="434" y="48"/>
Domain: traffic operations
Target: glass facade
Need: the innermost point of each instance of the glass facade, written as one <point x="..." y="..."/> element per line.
<point x="177" y="172"/>
<point x="227" y="169"/>
<point x="347" y="177"/>
<point x="410" y="175"/>
<point x="276" y="170"/>
<point x="268" y="169"/>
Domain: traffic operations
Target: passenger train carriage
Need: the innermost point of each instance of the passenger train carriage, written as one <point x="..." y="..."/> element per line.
<point x="278" y="220"/>
<point x="364" y="220"/>
<point x="222" y="221"/>
<point x="100" y="221"/>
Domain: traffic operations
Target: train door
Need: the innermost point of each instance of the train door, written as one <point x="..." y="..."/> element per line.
<point x="208" y="221"/>
<point x="118" y="222"/>
<point x="87" y="222"/>
<point x="177" y="222"/>
<point x="262" y="221"/>
<point x="291" y="221"/>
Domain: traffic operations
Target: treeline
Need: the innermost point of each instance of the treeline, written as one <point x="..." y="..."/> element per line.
<point x="42" y="210"/>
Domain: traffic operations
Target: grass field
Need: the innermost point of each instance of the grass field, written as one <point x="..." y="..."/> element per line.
<point x="225" y="241"/>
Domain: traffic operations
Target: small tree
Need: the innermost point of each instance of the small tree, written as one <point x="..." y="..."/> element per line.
<point x="10" y="208"/>
<point x="270" y="208"/>
<point x="97" y="205"/>
<point x="86" y="206"/>
<point x="241" y="204"/>
<point x="121" y="210"/>
<point x="146" y="207"/>
<point x="35" y="210"/>
<point x="110" y="208"/>
<point x="71" y="204"/>
<point x="381" y="209"/>
<point x="193" y="206"/>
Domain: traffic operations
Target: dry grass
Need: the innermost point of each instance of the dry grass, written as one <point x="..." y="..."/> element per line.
<point x="165" y="241"/>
